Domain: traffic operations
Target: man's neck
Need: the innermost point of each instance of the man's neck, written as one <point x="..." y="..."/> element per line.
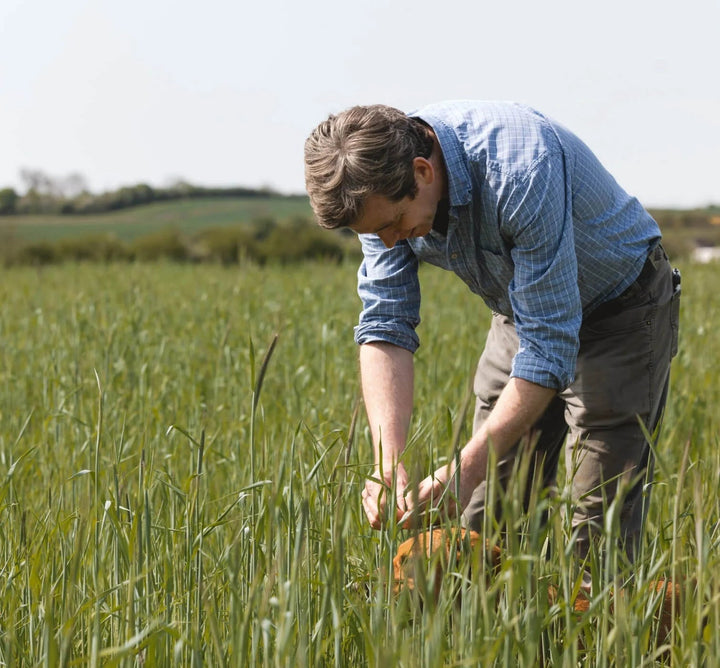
<point x="438" y="163"/>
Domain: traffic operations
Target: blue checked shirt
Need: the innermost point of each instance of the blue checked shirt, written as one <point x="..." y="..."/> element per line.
<point x="537" y="228"/>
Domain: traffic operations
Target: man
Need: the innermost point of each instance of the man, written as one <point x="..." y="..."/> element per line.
<point x="583" y="298"/>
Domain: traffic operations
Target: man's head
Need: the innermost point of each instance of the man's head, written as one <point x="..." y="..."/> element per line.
<point x="360" y="152"/>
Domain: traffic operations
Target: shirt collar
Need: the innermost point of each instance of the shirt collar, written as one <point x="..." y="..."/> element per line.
<point x="456" y="167"/>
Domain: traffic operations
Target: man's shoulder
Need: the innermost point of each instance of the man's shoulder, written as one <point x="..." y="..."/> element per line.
<point x="472" y="113"/>
<point x="506" y="138"/>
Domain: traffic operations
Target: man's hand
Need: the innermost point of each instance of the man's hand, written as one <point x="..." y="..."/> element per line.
<point x="421" y="499"/>
<point x="375" y="495"/>
<point x="520" y="405"/>
<point x="438" y="492"/>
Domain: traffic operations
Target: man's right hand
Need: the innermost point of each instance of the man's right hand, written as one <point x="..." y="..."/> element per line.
<point x="375" y="495"/>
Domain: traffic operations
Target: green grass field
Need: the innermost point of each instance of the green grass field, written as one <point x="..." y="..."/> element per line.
<point x="171" y="496"/>
<point x="188" y="216"/>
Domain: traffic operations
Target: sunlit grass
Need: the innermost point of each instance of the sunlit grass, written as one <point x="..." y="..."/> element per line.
<point x="138" y="524"/>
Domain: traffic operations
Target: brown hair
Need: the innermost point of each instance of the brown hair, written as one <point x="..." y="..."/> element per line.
<point x="359" y="152"/>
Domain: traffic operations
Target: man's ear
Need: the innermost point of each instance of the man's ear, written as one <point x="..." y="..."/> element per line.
<point x="424" y="171"/>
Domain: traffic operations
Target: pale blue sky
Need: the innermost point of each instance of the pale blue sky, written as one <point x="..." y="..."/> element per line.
<point x="223" y="92"/>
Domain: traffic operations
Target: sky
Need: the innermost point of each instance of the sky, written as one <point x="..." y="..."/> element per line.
<point x="224" y="92"/>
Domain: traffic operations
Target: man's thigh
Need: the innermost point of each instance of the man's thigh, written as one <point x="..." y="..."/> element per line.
<point x="491" y="377"/>
<point x="493" y="369"/>
<point x="616" y="400"/>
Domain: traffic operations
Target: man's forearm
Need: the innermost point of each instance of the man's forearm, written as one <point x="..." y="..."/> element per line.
<point x="518" y="408"/>
<point x="387" y="382"/>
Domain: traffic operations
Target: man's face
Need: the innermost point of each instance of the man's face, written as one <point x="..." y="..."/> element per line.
<point x="409" y="217"/>
<point x="393" y="221"/>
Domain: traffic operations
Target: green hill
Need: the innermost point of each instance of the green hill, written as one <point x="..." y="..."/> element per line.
<point x="187" y="216"/>
<point x="184" y="222"/>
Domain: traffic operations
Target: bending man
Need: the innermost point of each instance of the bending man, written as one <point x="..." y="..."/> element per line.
<point x="583" y="298"/>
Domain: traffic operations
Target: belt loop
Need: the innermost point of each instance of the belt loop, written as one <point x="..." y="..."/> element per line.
<point x="656" y="256"/>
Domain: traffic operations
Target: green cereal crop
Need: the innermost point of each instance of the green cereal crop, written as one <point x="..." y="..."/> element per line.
<point x="182" y="450"/>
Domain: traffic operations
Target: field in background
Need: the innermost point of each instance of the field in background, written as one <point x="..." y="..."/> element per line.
<point x="683" y="230"/>
<point x="187" y="216"/>
<point x="168" y="499"/>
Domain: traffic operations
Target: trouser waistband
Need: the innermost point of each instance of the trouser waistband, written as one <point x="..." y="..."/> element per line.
<point x="655" y="259"/>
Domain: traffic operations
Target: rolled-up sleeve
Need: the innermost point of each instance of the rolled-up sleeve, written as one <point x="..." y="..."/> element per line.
<point x="544" y="292"/>
<point x="389" y="289"/>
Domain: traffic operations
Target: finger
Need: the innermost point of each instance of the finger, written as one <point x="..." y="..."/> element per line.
<point x="376" y="506"/>
<point x="371" y="513"/>
<point x="407" y="519"/>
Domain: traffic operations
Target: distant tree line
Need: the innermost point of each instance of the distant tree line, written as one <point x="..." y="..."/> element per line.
<point x="687" y="218"/>
<point x="262" y="241"/>
<point x="68" y="195"/>
<point x="684" y="230"/>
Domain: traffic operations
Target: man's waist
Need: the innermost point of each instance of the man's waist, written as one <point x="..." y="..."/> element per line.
<point x="656" y="257"/>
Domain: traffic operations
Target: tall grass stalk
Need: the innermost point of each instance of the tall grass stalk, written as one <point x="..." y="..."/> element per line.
<point x="237" y="536"/>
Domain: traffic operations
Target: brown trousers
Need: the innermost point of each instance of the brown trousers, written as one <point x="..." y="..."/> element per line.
<point x="621" y="379"/>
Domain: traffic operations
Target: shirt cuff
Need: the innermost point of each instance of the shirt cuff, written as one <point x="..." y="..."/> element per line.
<point x="374" y="334"/>
<point x="540" y="371"/>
